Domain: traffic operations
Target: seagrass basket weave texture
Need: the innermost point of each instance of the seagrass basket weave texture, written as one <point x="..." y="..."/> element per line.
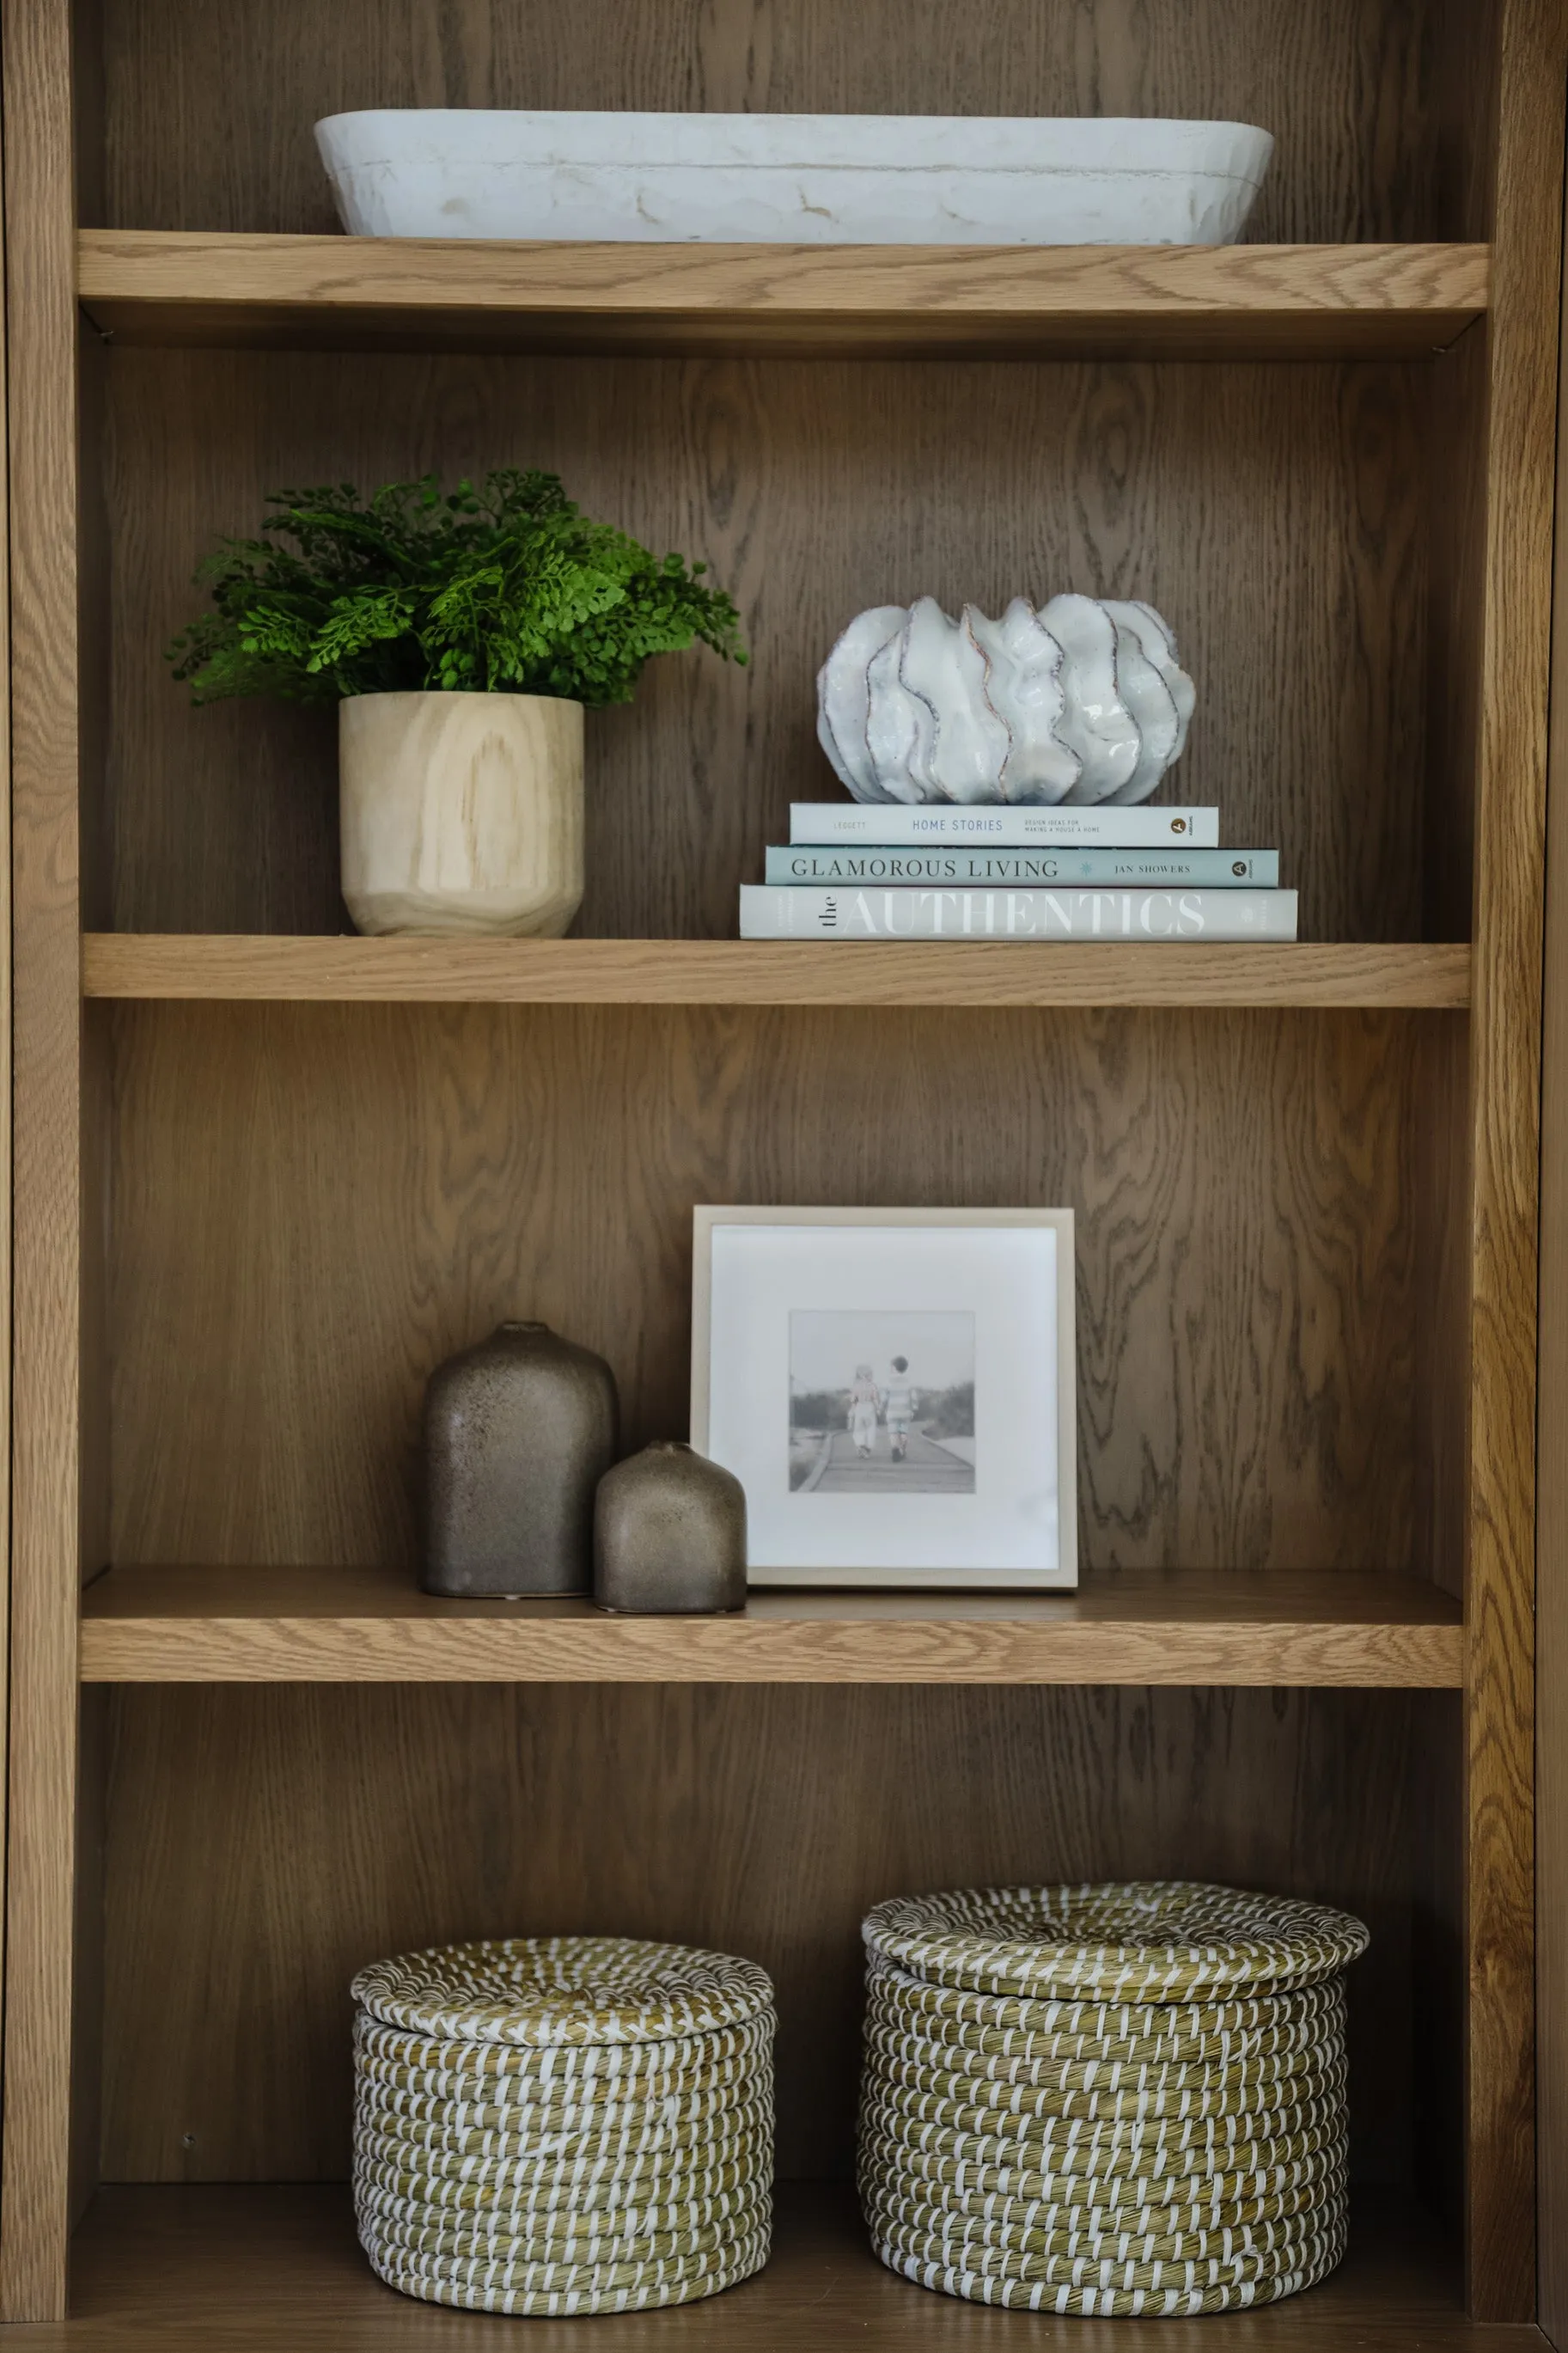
<point x="563" y="2124"/>
<point x="1107" y="2100"/>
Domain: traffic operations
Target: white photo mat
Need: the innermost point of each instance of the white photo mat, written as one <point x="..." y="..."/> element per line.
<point x="793" y="1302"/>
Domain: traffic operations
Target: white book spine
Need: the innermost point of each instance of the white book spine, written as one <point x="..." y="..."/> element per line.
<point x="772" y="912"/>
<point x="995" y="825"/>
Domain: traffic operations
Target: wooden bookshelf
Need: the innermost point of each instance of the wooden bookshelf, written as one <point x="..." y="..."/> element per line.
<point x="757" y="972"/>
<point x="337" y="294"/>
<point x="265" y="1177"/>
<point x="350" y="1625"/>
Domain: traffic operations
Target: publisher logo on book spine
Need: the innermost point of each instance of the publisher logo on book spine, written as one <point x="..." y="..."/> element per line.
<point x="1178" y="824"/>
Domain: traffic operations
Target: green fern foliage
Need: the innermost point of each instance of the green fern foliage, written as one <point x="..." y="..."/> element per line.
<point x="503" y="589"/>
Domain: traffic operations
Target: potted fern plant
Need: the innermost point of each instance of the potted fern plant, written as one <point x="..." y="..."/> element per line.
<point x="461" y="636"/>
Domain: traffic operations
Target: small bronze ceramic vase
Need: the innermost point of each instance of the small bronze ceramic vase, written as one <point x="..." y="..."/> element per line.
<point x="518" y="1433"/>
<point x="669" y="1535"/>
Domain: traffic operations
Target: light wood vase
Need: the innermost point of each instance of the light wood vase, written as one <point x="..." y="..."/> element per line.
<point x="461" y="813"/>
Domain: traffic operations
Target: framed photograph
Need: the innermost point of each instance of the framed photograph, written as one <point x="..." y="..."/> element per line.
<point x="894" y="1389"/>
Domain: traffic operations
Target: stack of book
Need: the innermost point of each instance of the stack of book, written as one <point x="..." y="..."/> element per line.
<point x="945" y="871"/>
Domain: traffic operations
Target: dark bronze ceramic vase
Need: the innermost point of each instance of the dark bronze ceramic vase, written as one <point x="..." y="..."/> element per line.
<point x="518" y="1433"/>
<point x="669" y="1535"/>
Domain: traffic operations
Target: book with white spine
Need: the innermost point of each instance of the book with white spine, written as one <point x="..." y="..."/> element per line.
<point x="1000" y="825"/>
<point x="795" y="912"/>
<point x="1119" y="870"/>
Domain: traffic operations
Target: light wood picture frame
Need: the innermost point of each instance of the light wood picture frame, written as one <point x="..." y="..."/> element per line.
<point x="811" y="1331"/>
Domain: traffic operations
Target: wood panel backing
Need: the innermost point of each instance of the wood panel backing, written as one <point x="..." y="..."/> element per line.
<point x="314" y="1205"/>
<point x="264" y="1843"/>
<point x="48" y="1294"/>
<point x="1459" y="383"/>
<point x="1346" y="86"/>
<point x="1438" y="2015"/>
<point x="1465" y="103"/>
<point x="1440" y="1212"/>
<point x="1513" y="652"/>
<point x="1276" y="515"/>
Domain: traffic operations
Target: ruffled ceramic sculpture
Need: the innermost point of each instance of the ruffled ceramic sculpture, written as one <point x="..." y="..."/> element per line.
<point x="1081" y="701"/>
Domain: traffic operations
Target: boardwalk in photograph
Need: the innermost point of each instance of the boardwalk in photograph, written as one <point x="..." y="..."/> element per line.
<point x="930" y="1469"/>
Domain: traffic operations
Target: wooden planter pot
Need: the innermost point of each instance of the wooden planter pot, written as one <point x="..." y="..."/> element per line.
<point x="461" y="813"/>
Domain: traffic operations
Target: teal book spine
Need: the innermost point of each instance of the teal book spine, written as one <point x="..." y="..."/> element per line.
<point x="1122" y="870"/>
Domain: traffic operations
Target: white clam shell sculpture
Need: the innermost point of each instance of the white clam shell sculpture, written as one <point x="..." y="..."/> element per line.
<point x="1084" y="700"/>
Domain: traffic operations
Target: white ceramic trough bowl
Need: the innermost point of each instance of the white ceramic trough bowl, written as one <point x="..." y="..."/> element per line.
<point x="791" y="179"/>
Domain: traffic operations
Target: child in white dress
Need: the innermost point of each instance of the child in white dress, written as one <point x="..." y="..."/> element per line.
<point x="864" y="1400"/>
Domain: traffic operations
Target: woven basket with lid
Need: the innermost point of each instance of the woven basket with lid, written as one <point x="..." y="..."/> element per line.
<point x="563" y="2124"/>
<point x="1055" y="2074"/>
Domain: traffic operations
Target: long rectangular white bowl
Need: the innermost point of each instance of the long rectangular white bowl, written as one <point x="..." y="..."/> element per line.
<point x="786" y="179"/>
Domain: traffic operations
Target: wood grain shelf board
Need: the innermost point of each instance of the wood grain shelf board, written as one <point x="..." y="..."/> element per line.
<point x="192" y="1624"/>
<point x="178" y="288"/>
<point x="277" y="2267"/>
<point x="232" y="966"/>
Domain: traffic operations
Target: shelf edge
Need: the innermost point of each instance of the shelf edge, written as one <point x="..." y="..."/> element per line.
<point x="236" y="270"/>
<point x="347" y="1649"/>
<point x="234" y="967"/>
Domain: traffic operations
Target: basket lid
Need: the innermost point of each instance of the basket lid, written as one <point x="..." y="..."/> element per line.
<point x="1157" y="1940"/>
<point x="563" y="1989"/>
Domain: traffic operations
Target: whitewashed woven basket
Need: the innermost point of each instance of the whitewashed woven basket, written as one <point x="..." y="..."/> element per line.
<point x="1107" y="2100"/>
<point x="564" y="2126"/>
